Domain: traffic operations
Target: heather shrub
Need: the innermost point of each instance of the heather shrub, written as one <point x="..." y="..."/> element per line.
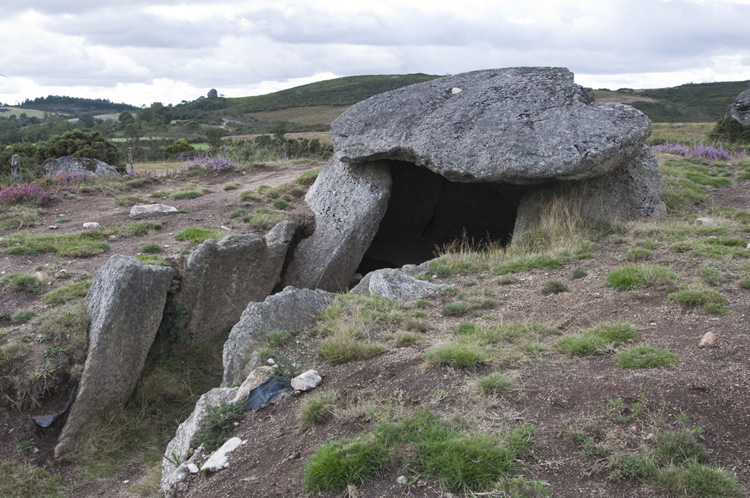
<point x="207" y="162"/>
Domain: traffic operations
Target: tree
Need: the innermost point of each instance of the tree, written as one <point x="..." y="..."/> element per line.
<point x="213" y="137"/>
<point x="279" y="129"/>
<point x="80" y="144"/>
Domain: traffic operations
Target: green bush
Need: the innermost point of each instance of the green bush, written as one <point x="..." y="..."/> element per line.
<point x="80" y="144"/>
<point x="178" y="147"/>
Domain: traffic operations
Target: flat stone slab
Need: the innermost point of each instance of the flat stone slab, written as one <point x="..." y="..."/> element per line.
<point x="520" y="125"/>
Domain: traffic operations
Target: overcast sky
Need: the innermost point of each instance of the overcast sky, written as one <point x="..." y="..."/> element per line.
<point x="143" y="51"/>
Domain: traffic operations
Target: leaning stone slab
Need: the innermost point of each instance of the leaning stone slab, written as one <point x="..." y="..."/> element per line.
<point x="395" y="284"/>
<point x="125" y="303"/>
<point x="221" y="278"/>
<point x="348" y="204"/>
<point x="290" y="310"/>
<point x="174" y="464"/>
<point x="151" y="208"/>
<point x="79" y="166"/>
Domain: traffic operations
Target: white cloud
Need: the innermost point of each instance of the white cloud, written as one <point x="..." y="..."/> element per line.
<point x="178" y="49"/>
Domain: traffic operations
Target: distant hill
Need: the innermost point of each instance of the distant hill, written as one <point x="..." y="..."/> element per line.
<point x="75" y="106"/>
<point x="689" y="103"/>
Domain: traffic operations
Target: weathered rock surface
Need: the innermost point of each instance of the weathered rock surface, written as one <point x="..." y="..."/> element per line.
<point x="517" y="125"/>
<point x="740" y="109"/>
<point x="633" y="191"/>
<point x="125" y="303"/>
<point x="151" y="208"/>
<point x="306" y="381"/>
<point x="79" y="166"/>
<point x="221" y="278"/>
<point x="395" y="284"/>
<point x="174" y="464"/>
<point x="290" y="310"/>
<point x="348" y="202"/>
<point x="219" y="459"/>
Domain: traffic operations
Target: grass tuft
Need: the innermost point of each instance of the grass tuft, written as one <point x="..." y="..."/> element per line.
<point x="709" y="300"/>
<point x="316" y="408"/>
<point x="456" y="355"/>
<point x="645" y="356"/>
<point x="495" y="383"/>
<point x="631" y="277"/>
<point x="198" y="234"/>
<point x="22" y="282"/>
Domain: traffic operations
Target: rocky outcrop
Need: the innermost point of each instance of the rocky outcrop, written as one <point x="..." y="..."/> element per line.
<point x="79" y="166"/>
<point x="395" y="284"/>
<point x="348" y="203"/>
<point x="418" y="167"/>
<point x="221" y="278"/>
<point x="291" y="310"/>
<point x="740" y="109"/>
<point x="125" y="303"/>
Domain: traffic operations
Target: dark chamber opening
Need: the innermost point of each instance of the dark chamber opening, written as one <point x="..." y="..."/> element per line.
<point x="426" y="211"/>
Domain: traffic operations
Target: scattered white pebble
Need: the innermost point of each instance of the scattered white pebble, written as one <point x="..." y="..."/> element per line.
<point x="270" y="361"/>
<point x="402" y="480"/>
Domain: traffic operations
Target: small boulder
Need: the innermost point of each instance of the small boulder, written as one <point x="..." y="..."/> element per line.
<point x="290" y="310"/>
<point x="151" y="208"/>
<point x="708" y="339"/>
<point x="706" y="222"/>
<point x="740" y="109"/>
<point x="392" y="283"/>
<point x="91" y="225"/>
<point x="306" y="381"/>
<point x="219" y="460"/>
<point x="79" y="166"/>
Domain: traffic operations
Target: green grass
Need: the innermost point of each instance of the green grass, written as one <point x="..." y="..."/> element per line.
<point x="22" y="480"/>
<point x="698" y="480"/>
<point x="308" y="177"/>
<point x="263" y="218"/>
<point x="231" y="186"/>
<point x="77" y="245"/>
<point x="710" y="275"/>
<point x="495" y="383"/>
<point x="142" y="228"/>
<point x="709" y="300"/>
<point x="238" y="213"/>
<point x="454" y="309"/>
<point x="347" y="345"/>
<point x="638" y="254"/>
<point x="456" y="355"/>
<point x="151" y="248"/>
<point x="459" y="460"/>
<point x="22" y="316"/>
<point x="316" y="408"/>
<point x="19" y="217"/>
<point x="67" y="293"/>
<point x="406" y="339"/>
<point x="579" y="273"/>
<point x="594" y="341"/>
<point x="678" y="447"/>
<point x="631" y="277"/>
<point x="152" y="259"/>
<point x="127" y="200"/>
<point x="644" y="357"/>
<point x="249" y="196"/>
<point x="281" y="204"/>
<point x="554" y="287"/>
<point x="198" y="234"/>
<point x="22" y="282"/>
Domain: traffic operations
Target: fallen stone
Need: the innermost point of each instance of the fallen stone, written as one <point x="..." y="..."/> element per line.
<point x="395" y="284"/>
<point x="125" y="303"/>
<point x="219" y="459"/>
<point x="706" y="222"/>
<point x="708" y="339"/>
<point x="402" y="480"/>
<point x="91" y="225"/>
<point x="151" y="208"/>
<point x="222" y="278"/>
<point x="290" y="310"/>
<point x="306" y="381"/>
<point x="79" y="166"/>
<point x="193" y="468"/>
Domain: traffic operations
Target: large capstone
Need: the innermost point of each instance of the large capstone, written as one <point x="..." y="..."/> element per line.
<point x="459" y="156"/>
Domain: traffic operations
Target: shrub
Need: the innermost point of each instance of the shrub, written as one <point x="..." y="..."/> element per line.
<point x="645" y="356"/>
<point x="579" y="273"/>
<point x="178" y="147"/>
<point x="26" y="193"/>
<point x="213" y="163"/>
<point x="219" y="424"/>
<point x="79" y="144"/>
